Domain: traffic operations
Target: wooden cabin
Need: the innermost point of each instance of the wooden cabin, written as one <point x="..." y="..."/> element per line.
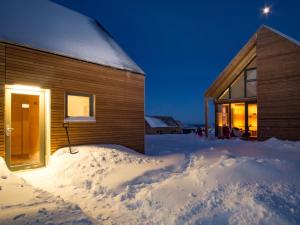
<point x="60" y="69"/>
<point x="162" y="125"/>
<point x="258" y="93"/>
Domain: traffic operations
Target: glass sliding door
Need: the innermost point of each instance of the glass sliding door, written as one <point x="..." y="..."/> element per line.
<point x="223" y="118"/>
<point x="238" y="116"/>
<point x="252" y="119"/>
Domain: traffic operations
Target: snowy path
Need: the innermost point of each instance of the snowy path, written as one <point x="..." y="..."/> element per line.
<point x="20" y="203"/>
<point x="187" y="180"/>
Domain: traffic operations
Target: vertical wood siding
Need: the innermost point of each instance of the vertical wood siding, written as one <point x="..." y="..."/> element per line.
<point x="278" y="90"/>
<point x="2" y="78"/>
<point x="119" y="96"/>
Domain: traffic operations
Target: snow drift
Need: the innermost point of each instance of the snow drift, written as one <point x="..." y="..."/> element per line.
<point x="21" y="203"/>
<point x="201" y="182"/>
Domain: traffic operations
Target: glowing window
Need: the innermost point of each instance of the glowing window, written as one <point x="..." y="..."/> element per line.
<point x="79" y="107"/>
<point x="223" y="115"/>
<point x="238" y="115"/>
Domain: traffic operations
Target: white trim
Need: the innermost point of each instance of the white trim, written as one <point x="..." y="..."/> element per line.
<point x="80" y="119"/>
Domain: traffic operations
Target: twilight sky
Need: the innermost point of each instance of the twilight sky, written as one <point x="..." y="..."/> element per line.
<point x="183" y="45"/>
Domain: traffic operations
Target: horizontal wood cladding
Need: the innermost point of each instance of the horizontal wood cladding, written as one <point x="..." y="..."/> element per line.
<point x="278" y="86"/>
<point x="119" y="96"/>
<point x="2" y="79"/>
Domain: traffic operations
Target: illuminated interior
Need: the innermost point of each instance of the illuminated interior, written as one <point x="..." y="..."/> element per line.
<point x="25" y="140"/>
<point x="238" y="116"/>
<point x="78" y="106"/>
<point x="27" y="125"/>
<point x="223" y="115"/>
<point x="252" y="119"/>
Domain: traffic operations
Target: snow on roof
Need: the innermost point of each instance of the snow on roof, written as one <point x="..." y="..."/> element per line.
<point x="155" y="122"/>
<point x="283" y="35"/>
<point x="51" y="27"/>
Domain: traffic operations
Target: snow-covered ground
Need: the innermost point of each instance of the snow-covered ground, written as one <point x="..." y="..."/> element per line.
<point x="183" y="180"/>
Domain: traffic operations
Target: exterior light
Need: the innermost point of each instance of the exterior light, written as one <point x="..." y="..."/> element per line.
<point x="24" y="88"/>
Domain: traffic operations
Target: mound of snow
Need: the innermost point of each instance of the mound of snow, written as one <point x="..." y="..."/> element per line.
<point x="194" y="181"/>
<point x="21" y="203"/>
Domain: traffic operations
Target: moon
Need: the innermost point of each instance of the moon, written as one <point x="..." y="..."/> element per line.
<point x="266" y="10"/>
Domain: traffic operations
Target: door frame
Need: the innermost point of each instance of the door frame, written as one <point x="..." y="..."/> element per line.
<point x="44" y="123"/>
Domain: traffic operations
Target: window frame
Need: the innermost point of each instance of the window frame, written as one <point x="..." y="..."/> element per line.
<point x="92" y="106"/>
<point x="244" y="74"/>
<point x="249" y="81"/>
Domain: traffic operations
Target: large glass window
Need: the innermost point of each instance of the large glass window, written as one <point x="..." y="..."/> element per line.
<point x="251" y="83"/>
<point x="79" y="107"/>
<point x="237" y="88"/>
<point x="241" y="89"/>
<point x="223" y="115"/>
<point x="252" y="119"/>
<point x="238" y="116"/>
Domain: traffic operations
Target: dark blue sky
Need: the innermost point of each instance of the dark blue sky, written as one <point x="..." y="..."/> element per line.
<point x="183" y="45"/>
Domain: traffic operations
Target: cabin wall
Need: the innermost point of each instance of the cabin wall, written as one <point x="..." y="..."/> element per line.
<point x="119" y="96"/>
<point x="278" y="90"/>
<point x="2" y="79"/>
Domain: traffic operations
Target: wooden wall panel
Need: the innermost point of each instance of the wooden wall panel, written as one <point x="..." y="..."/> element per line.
<point x="278" y="90"/>
<point x="119" y="96"/>
<point x="2" y="79"/>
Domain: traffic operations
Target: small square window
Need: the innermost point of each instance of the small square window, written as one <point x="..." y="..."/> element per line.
<point x="79" y="107"/>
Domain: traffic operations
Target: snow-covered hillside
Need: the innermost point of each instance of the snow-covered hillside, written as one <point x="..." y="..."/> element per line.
<point x="186" y="180"/>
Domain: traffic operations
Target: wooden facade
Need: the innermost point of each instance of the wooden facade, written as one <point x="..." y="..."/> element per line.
<point x="277" y="83"/>
<point x="119" y="96"/>
<point x="278" y="86"/>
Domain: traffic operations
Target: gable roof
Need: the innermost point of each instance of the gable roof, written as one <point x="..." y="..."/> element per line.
<point x="47" y="26"/>
<point x="238" y="63"/>
<point x="160" y="121"/>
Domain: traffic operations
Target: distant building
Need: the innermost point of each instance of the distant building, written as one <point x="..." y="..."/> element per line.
<point x="258" y="92"/>
<point x="161" y="125"/>
<point x="187" y="129"/>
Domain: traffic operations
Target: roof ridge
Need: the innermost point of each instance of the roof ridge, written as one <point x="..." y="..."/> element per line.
<point x="69" y="33"/>
<point x="280" y="33"/>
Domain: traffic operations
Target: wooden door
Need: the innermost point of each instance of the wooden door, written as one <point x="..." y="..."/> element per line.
<point x="25" y="125"/>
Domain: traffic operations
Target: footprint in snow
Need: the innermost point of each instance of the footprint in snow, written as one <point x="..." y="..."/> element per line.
<point x="227" y="162"/>
<point x="193" y="195"/>
<point x="19" y="216"/>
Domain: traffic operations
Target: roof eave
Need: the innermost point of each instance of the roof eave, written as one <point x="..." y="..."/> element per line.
<point x="141" y="72"/>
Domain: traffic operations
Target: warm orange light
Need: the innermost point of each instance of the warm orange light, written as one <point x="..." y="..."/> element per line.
<point x="78" y="106"/>
<point x="238" y="115"/>
<point x="23" y="87"/>
<point x="252" y="119"/>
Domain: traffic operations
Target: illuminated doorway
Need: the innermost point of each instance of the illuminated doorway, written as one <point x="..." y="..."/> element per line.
<point x="25" y="126"/>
